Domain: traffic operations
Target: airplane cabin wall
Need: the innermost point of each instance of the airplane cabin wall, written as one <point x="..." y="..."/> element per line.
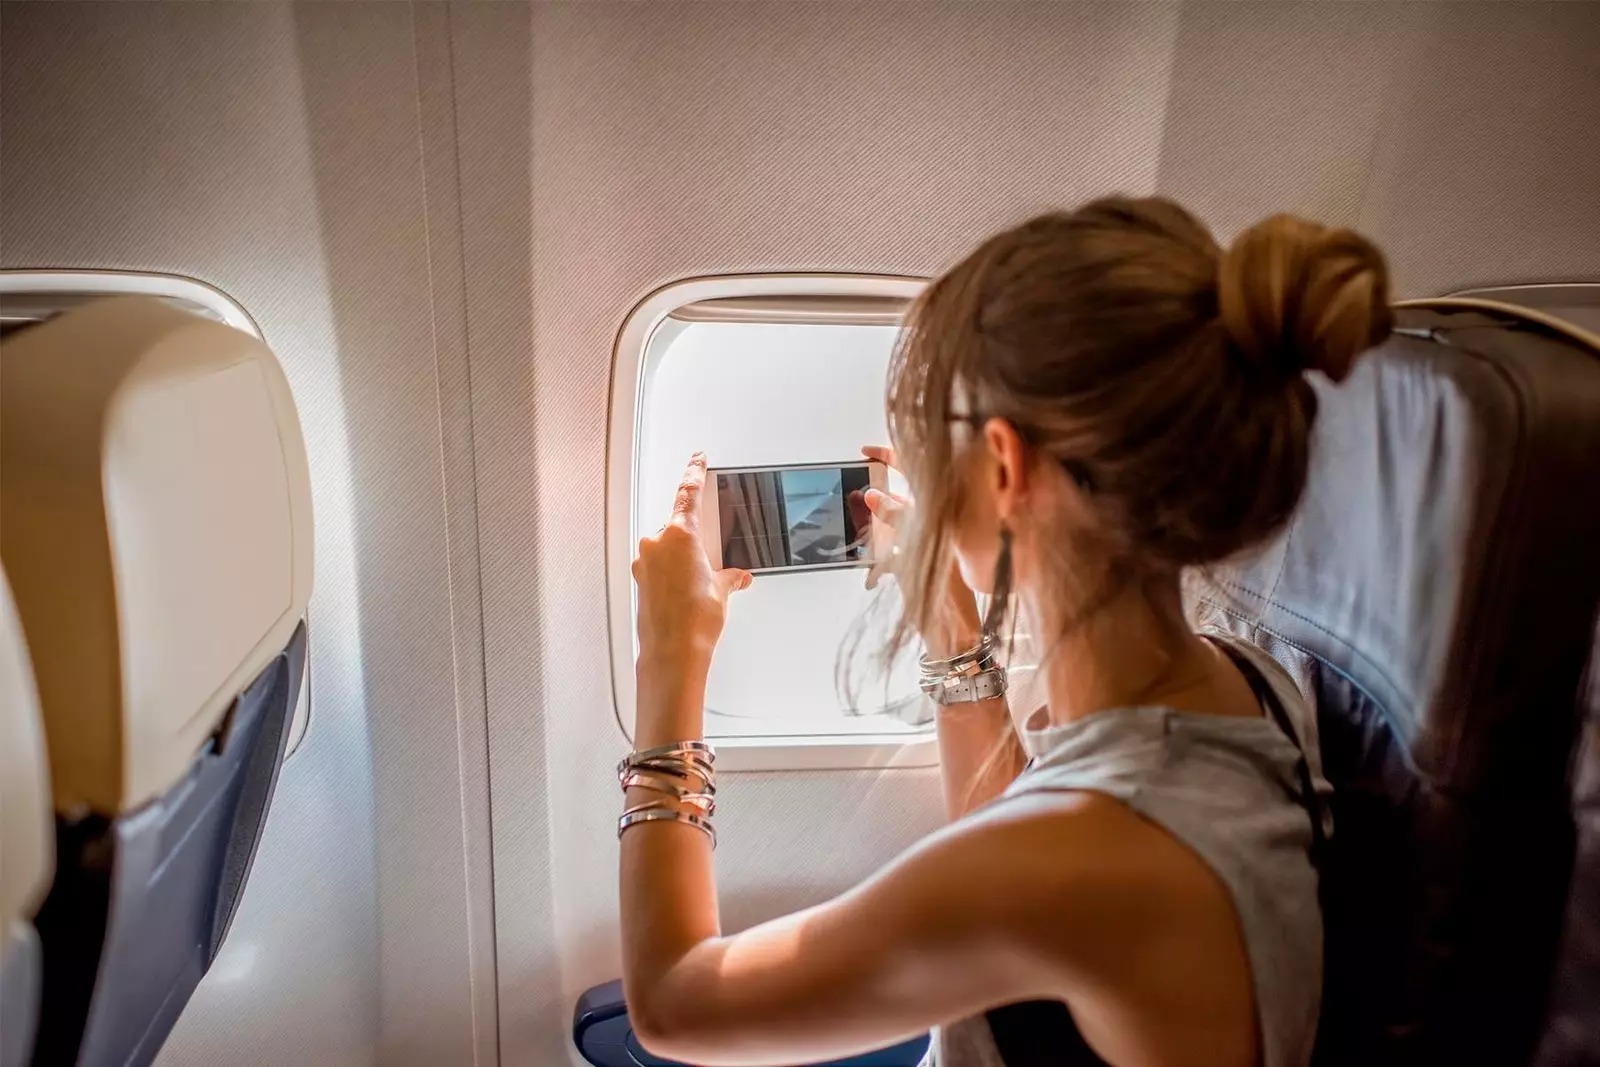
<point x="440" y="216"/>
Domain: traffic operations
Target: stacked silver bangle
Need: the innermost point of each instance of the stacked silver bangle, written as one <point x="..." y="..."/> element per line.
<point x="685" y="773"/>
<point x="964" y="678"/>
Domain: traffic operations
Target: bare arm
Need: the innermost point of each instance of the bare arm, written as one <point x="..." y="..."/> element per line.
<point x="979" y="751"/>
<point x="940" y="934"/>
<point x="979" y="754"/>
<point x="1023" y="902"/>
<point x="930" y="939"/>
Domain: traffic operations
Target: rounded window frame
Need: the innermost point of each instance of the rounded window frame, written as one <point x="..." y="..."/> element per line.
<point x="630" y="366"/>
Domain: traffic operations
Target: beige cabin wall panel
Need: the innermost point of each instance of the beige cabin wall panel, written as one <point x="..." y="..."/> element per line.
<point x="1460" y="136"/>
<point x="492" y="56"/>
<point x="278" y="152"/>
<point x="1488" y="168"/>
<point x="1280" y="107"/>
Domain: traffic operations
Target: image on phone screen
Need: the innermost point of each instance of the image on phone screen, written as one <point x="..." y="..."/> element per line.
<point x="798" y="517"/>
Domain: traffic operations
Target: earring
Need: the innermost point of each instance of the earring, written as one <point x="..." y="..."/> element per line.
<point x="1000" y="597"/>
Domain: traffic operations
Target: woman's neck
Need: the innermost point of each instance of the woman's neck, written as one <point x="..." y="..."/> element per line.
<point x="1135" y="650"/>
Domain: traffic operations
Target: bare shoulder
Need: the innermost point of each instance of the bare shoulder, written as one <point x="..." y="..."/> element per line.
<point x="1043" y="844"/>
<point x="1084" y="879"/>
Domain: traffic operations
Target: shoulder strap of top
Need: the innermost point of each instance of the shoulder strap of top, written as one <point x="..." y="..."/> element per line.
<point x="1268" y="697"/>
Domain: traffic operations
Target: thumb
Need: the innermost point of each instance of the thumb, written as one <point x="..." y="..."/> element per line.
<point x="885" y="506"/>
<point x="733" y="580"/>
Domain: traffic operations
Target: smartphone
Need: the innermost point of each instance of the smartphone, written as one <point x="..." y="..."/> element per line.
<point x="808" y="517"/>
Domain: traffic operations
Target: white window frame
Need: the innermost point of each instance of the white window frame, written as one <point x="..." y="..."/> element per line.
<point x="204" y="299"/>
<point x="628" y="375"/>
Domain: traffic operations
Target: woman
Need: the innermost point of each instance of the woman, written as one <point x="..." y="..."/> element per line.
<point x="1084" y="407"/>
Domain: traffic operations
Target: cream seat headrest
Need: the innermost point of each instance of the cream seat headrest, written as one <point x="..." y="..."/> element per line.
<point x="27" y="822"/>
<point x="155" y="519"/>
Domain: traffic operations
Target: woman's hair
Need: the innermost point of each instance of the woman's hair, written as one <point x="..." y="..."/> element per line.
<point x="1162" y="373"/>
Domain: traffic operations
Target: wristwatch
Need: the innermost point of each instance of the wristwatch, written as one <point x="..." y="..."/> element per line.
<point x="967" y="688"/>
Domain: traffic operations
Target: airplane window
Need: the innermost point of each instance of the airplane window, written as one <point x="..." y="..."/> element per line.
<point x="753" y="389"/>
<point x="755" y="395"/>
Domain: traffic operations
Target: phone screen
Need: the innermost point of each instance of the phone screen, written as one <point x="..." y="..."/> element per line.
<point x="782" y="518"/>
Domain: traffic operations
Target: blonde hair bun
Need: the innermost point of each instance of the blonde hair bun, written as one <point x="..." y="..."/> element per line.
<point x="1296" y="296"/>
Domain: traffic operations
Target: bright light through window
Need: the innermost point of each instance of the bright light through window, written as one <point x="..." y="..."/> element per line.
<point x="755" y="394"/>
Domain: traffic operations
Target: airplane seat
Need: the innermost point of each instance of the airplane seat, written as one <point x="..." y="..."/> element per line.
<point x="1436" y="595"/>
<point x="1572" y="1035"/>
<point x="155" y="520"/>
<point x="27" y="838"/>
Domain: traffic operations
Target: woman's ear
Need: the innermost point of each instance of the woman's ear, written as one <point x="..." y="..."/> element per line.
<point x="1007" y="467"/>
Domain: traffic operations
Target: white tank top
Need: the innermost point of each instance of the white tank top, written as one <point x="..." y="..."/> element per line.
<point x="1231" y="788"/>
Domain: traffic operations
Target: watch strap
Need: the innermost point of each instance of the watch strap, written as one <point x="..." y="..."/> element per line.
<point x="969" y="688"/>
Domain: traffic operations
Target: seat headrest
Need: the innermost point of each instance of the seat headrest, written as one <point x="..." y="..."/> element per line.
<point x="1445" y="545"/>
<point x="155" y="518"/>
<point x="27" y="826"/>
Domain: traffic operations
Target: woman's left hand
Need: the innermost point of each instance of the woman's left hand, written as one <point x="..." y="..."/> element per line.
<point x="683" y="602"/>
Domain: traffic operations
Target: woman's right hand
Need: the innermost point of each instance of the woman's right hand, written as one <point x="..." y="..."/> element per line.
<point x="959" y="624"/>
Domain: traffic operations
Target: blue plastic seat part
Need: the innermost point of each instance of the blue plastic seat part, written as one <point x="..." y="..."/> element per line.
<point x="141" y="904"/>
<point x="602" y="1033"/>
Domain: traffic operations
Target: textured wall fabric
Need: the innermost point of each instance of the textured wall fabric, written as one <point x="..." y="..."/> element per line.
<point x="275" y="152"/>
<point x="1483" y="173"/>
<point x="441" y="216"/>
<point x="176" y="140"/>
<point x="1281" y="110"/>
<point x="397" y="312"/>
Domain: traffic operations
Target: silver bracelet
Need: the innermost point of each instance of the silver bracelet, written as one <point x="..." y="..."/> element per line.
<point x="699" y="766"/>
<point x="660" y="812"/>
<point x="700" y="749"/>
<point x="705" y="799"/>
<point x="678" y="760"/>
<point x="964" y="678"/>
<point x="979" y="656"/>
<point x="966" y="688"/>
<point x="681" y="760"/>
<point x="689" y="774"/>
<point x="708" y="785"/>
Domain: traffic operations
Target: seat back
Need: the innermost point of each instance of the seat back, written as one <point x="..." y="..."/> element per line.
<point x="155" y="516"/>
<point x="1572" y="1030"/>
<point x="27" y="838"/>
<point x="1436" y="594"/>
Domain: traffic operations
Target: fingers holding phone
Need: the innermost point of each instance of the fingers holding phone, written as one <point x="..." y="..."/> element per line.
<point x="961" y="621"/>
<point x="682" y="596"/>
